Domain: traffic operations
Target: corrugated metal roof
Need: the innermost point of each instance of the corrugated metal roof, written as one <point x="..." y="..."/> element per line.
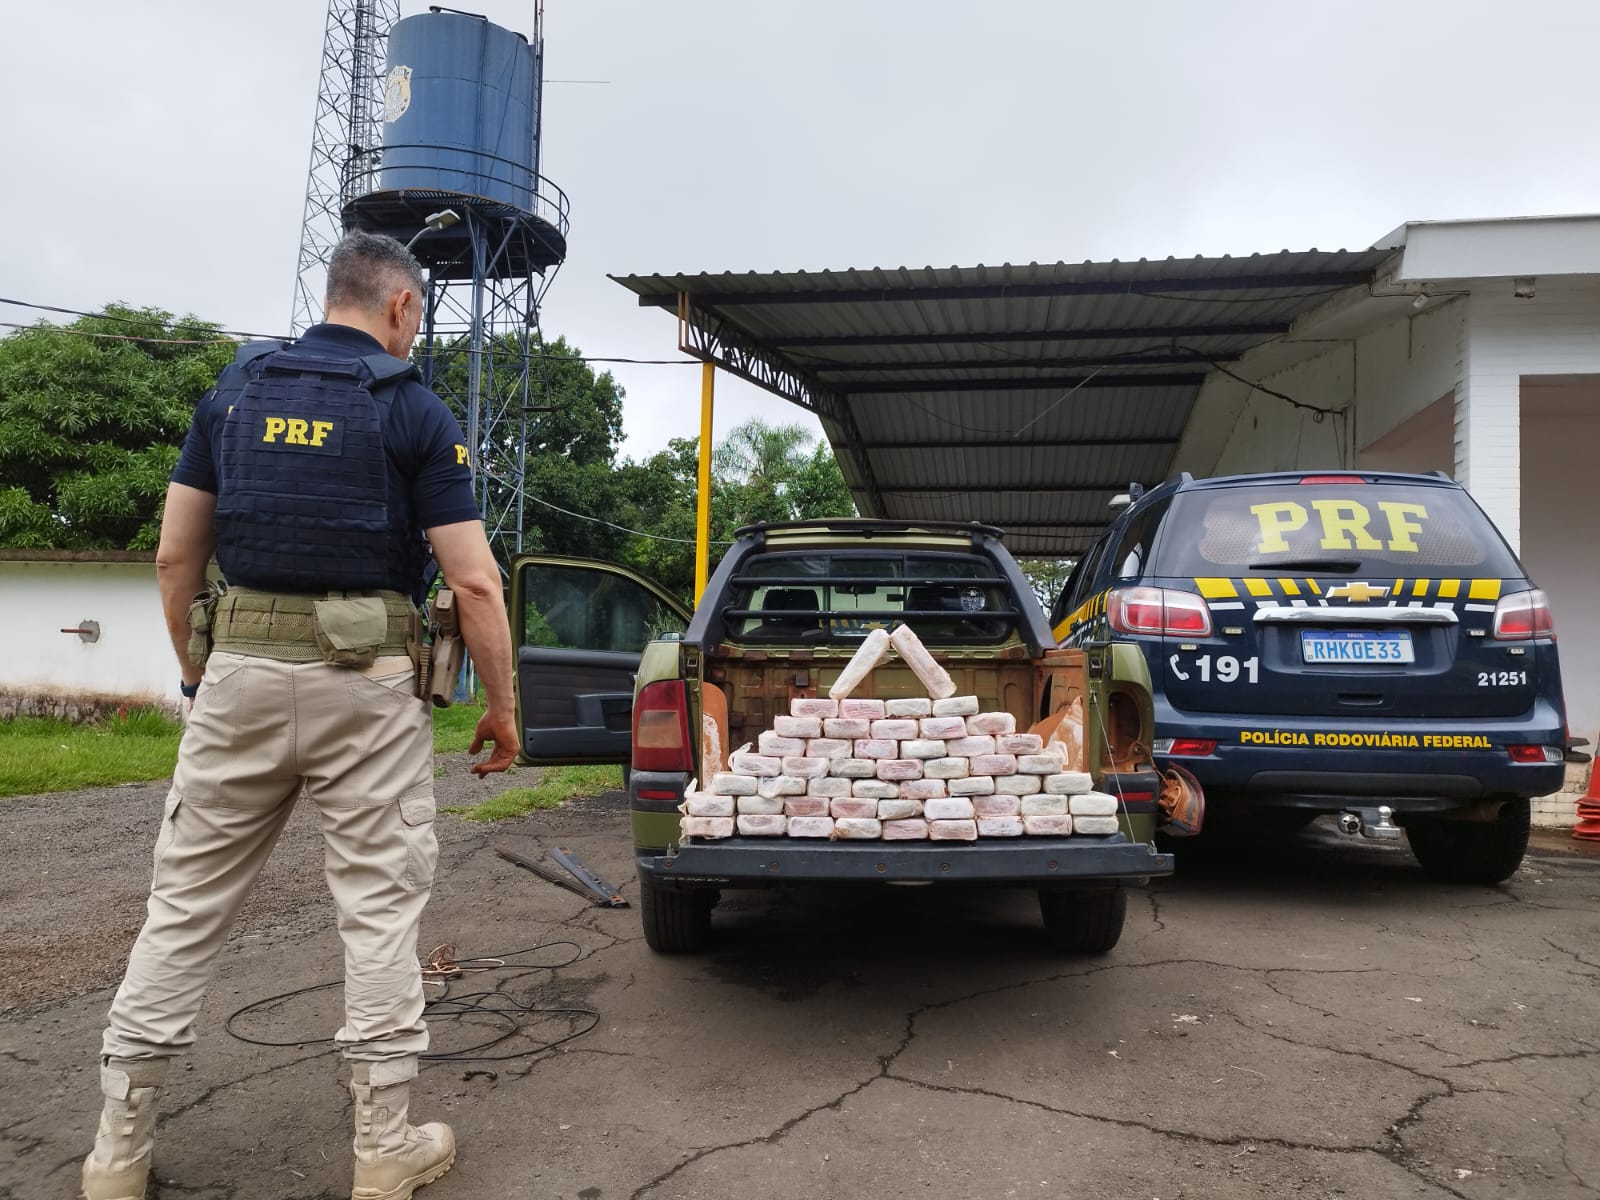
<point x="1021" y="395"/>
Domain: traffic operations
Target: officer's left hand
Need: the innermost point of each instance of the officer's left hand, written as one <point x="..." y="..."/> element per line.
<point x="501" y="729"/>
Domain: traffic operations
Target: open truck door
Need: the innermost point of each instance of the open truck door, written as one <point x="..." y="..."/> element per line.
<point x="579" y="627"/>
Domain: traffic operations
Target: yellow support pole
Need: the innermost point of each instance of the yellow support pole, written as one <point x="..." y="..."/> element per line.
<point x="702" y="534"/>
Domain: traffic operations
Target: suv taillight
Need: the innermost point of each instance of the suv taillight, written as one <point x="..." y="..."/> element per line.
<point x="1522" y="616"/>
<point x="661" y="728"/>
<point x="1158" y="610"/>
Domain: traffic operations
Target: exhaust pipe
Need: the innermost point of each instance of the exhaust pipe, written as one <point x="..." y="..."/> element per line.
<point x="1378" y="825"/>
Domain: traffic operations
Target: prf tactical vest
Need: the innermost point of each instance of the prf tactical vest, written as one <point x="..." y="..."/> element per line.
<point x="303" y="485"/>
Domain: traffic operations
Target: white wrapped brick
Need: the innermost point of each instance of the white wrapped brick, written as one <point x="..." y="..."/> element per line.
<point x="977" y="785"/>
<point x="854" y="768"/>
<point x="805" y="768"/>
<point x="999" y="827"/>
<point x="1093" y="804"/>
<point x="898" y="810"/>
<point x="947" y="768"/>
<point x="1017" y="785"/>
<point x="761" y="825"/>
<point x="810" y="706"/>
<point x="774" y="746"/>
<point x="918" y="706"/>
<point x="797" y="727"/>
<point x="852" y="807"/>
<point x="829" y="787"/>
<point x="1044" y="806"/>
<point x="810" y="827"/>
<point x="857" y="829"/>
<point x="707" y="827"/>
<point x="876" y="748"/>
<point x="702" y="805"/>
<point x="1038" y="764"/>
<point x="1069" y="783"/>
<point x="996" y="806"/>
<point x="807" y="806"/>
<point x="873" y="650"/>
<point x="992" y="723"/>
<point x="942" y="727"/>
<point x="970" y="747"/>
<point x="781" y="785"/>
<point x="1094" y="826"/>
<point x="911" y="829"/>
<point x="862" y="710"/>
<point x="733" y="785"/>
<point x="927" y="748"/>
<point x="896" y="728"/>
<point x="874" y="789"/>
<point x="1047" y="826"/>
<point x="827" y="747"/>
<point x="953" y="831"/>
<point x="922" y="789"/>
<point x="898" y="770"/>
<point x="1019" y="743"/>
<point x="956" y="706"/>
<point x="848" y="728"/>
<point x="994" y="764"/>
<point x="762" y="766"/>
<point x="915" y="655"/>
<point x="760" y="806"/>
<point x="948" y="808"/>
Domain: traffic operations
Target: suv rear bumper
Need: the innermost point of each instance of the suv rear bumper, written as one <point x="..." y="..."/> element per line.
<point x="1261" y="760"/>
<point x="1023" y="862"/>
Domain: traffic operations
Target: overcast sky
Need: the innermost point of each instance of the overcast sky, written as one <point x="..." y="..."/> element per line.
<point x="155" y="152"/>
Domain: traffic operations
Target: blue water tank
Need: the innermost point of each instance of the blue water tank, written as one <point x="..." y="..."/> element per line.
<point x="460" y="109"/>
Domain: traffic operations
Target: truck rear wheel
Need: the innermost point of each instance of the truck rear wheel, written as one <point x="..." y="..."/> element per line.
<point x="675" y="922"/>
<point x="1472" y="851"/>
<point x="1083" y="922"/>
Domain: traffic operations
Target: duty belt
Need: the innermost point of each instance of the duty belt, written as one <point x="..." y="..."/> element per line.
<point x="278" y="625"/>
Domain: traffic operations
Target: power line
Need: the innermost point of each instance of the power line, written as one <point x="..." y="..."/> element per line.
<point x="118" y="337"/>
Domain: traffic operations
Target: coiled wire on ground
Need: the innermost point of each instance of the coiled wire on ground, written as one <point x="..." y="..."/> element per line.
<point x="440" y="970"/>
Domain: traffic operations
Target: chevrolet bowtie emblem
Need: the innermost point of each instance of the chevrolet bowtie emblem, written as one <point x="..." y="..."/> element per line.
<point x="1357" y="593"/>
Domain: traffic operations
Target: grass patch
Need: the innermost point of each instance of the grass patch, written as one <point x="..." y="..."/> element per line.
<point x="453" y="726"/>
<point x="557" y="785"/>
<point x="39" y="754"/>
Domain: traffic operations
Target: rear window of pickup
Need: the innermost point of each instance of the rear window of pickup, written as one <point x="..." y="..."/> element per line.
<point x="841" y="596"/>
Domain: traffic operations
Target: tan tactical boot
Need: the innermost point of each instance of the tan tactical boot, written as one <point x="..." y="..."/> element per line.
<point x="393" y="1159"/>
<point x="119" y="1165"/>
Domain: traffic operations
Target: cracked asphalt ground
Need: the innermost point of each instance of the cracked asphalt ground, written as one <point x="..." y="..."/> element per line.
<point x="1306" y="1017"/>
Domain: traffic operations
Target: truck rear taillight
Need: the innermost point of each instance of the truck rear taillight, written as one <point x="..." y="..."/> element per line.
<point x="1158" y="610"/>
<point x="1184" y="747"/>
<point x="1523" y="616"/>
<point x="1322" y="480"/>
<point x="661" y="728"/>
<point x="1535" y="754"/>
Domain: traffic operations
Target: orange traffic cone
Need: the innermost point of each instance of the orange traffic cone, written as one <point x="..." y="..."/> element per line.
<point x="1588" y="826"/>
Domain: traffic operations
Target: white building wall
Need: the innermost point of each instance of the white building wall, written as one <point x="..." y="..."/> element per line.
<point x="1377" y="380"/>
<point x="133" y="660"/>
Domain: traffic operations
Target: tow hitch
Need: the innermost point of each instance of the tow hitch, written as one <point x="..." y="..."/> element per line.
<point x="1376" y="823"/>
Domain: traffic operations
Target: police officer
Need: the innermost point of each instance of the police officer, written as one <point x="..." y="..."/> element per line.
<point x="313" y="471"/>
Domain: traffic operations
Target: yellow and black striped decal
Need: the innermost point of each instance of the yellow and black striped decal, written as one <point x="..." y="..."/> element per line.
<point x="1307" y="592"/>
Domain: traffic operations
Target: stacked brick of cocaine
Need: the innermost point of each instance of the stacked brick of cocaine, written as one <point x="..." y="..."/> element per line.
<point x="899" y="770"/>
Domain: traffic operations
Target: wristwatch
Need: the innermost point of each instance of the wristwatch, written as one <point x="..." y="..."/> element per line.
<point x="189" y="690"/>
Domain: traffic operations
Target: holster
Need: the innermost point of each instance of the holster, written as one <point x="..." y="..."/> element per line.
<point x="202" y="614"/>
<point x="444" y="653"/>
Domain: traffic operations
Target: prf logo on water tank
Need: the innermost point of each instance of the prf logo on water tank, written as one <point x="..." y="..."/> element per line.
<point x="397" y="94"/>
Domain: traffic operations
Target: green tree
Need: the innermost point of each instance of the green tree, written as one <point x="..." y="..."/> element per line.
<point x="760" y="472"/>
<point x="92" y="416"/>
<point x="1048" y="576"/>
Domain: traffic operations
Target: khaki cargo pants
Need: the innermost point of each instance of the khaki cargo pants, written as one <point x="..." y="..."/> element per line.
<point x="361" y="745"/>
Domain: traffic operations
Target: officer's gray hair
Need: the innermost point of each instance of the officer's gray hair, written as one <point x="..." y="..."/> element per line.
<point x="366" y="269"/>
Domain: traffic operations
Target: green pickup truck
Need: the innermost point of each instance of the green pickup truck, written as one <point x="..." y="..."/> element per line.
<point x="614" y="669"/>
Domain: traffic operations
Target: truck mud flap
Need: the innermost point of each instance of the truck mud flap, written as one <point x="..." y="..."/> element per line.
<point x="1031" y="862"/>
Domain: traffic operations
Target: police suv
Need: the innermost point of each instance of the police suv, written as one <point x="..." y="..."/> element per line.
<point x="1353" y="643"/>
